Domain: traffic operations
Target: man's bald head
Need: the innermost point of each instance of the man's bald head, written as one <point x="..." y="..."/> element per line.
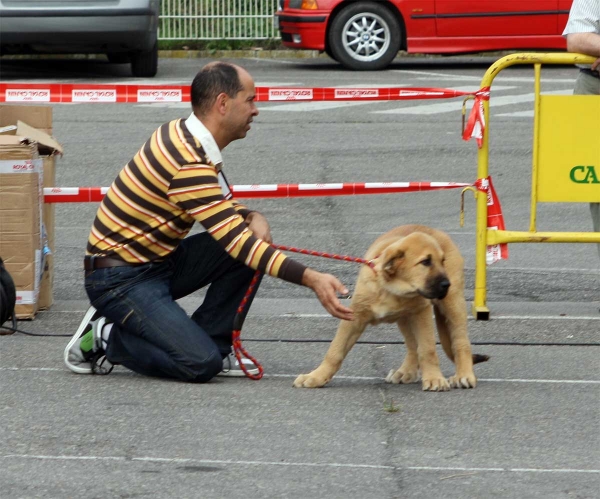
<point x="213" y="79"/>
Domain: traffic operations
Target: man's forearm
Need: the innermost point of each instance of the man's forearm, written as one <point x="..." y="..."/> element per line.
<point x="584" y="43"/>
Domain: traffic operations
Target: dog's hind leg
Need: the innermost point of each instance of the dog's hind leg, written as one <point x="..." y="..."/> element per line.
<point x="451" y="321"/>
<point x="345" y="338"/>
<point x="408" y="372"/>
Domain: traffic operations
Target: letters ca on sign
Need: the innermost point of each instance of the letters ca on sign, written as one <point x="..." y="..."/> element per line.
<point x="159" y="95"/>
<point x="584" y="175"/>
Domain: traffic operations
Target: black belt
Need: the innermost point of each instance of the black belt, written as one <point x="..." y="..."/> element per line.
<point x="589" y="72"/>
<point x="104" y="262"/>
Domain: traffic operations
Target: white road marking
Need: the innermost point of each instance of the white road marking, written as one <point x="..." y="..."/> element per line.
<point x="491" y="380"/>
<point x="509" y="79"/>
<point x="495" y="317"/>
<point x="518" y="114"/>
<point x="501" y="78"/>
<point x="361" y="378"/>
<point x="177" y="460"/>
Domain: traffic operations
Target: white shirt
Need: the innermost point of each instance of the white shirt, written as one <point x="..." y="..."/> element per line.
<point x="584" y="17"/>
<point x="198" y="130"/>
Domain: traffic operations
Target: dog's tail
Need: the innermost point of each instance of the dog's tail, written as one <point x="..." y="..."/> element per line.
<point x="477" y="358"/>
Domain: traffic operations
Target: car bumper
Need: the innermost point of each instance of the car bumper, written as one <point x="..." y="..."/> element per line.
<point x="95" y="30"/>
<point x="302" y="31"/>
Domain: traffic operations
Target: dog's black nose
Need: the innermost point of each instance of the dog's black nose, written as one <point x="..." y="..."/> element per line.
<point x="443" y="286"/>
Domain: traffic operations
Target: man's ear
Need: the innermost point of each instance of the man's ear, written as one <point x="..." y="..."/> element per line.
<point x="221" y="102"/>
<point x="391" y="262"/>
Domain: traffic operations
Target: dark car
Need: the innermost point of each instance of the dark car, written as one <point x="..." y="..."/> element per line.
<point x="367" y="35"/>
<point x="125" y="30"/>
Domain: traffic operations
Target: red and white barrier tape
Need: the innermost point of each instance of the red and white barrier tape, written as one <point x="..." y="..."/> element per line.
<point x="495" y="219"/>
<point x="106" y="93"/>
<point x="96" y="194"/>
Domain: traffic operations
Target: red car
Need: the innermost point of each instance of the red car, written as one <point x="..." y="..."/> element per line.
<point x="367" y="35"/>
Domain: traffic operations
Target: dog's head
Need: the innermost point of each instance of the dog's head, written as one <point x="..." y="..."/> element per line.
<point x="414" y="265"/>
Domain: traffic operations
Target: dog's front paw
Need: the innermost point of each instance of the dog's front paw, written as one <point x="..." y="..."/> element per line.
<point x="404" y="377"/>
<point x="463" y="380"/>
<point x="309" y="381"/>
<point x="436" y="384"/>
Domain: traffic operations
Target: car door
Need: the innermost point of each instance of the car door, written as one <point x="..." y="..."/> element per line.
<point x="468" y="18"/>
<point x="564" y="7"/>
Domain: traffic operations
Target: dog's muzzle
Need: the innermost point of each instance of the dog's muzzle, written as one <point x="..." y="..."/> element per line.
<point x="437" y="288"/>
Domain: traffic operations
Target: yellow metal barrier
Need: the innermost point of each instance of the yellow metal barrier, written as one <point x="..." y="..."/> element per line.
<point x="566" y="163"/>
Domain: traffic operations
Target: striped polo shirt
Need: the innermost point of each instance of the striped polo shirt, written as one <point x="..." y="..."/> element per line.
<point x="174" y="180"/>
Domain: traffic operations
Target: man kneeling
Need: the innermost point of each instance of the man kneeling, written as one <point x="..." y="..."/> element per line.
<point x="139" y="261"/>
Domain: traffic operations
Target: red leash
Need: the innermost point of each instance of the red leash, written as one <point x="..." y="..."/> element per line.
<point x="238" y="349"/>
<point x="325" y="255"/>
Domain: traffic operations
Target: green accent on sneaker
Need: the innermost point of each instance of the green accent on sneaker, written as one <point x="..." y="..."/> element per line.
<point x="87" y="341"/>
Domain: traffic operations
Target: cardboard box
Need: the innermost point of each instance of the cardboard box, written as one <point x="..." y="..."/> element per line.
<point x="35" y="122"/>
<point x="21" y="181"/>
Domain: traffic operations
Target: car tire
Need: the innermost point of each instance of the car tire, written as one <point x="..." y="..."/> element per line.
<point x="365" y="36"/>
<point x="145" y="64"/>
<point x="330" y="53"/>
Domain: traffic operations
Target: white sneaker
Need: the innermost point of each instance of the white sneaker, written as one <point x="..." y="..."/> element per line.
<point x="93" y="360"/>
<point x="231" y="367"/>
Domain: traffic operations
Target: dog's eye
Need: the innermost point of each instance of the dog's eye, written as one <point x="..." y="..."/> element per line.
<point x="426" y="262"/>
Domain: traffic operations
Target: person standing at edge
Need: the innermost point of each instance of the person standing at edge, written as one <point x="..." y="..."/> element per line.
<point x="139" y="261"/>
<point x="583" y="37"/>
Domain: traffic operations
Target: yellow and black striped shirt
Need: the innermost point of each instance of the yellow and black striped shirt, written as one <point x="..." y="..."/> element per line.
<point x="167" y="186"/>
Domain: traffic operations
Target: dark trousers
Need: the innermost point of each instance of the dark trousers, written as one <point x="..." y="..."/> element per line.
<point x="152" y="334"/>
<point x="588" y="85"/>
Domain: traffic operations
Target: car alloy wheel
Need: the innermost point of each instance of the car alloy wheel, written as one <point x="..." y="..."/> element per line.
<point x="365" y="36"/>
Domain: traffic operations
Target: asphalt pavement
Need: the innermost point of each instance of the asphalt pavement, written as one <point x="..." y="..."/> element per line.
<point x="530" y="429"/>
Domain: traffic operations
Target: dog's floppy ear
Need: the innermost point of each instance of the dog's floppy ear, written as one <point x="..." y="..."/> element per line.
<point x="390" y="262"/>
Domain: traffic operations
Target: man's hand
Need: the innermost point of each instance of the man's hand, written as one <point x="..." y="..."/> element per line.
<point x="596" y="64"/>
<point x="325" y="287"/>
<point x="258" y="224"/>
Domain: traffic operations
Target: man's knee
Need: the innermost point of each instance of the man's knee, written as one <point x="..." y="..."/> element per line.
<point x="202" y="372"/>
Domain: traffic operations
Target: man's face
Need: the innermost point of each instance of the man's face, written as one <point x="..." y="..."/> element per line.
<point x="241" y="109"/>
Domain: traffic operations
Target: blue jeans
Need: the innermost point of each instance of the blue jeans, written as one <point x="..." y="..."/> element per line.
<point x="152" y="334"/>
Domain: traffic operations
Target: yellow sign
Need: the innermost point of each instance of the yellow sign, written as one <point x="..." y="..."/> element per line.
<point x="569" y="149"/>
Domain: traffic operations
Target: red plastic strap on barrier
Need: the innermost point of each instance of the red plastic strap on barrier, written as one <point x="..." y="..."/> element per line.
<point x="95" y="194"/>
<point x="476" y="123"/>
<point x="495" y="219"/>
<point x="110" y="93"/>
